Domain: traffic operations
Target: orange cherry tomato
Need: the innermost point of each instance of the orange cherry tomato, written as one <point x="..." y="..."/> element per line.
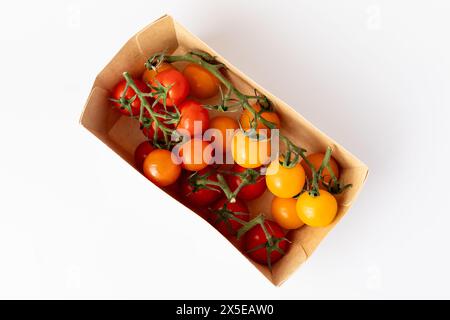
<point x="316" y="160"/>
<point x="226" y="126"/>
<point x="195" y="154"/>
<point x="202" y="82"/>
<point x="285" y="182"/>
<point x="247" y="118"/>
<point x="284" y="213"/>
<point x="149" y="75"/>
<point x="249" y="152"/>
<point x="159" y="168"/>
<point x="317" y="211"/>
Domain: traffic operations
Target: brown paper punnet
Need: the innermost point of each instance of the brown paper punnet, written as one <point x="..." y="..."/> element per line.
<point x="122" y="134"/>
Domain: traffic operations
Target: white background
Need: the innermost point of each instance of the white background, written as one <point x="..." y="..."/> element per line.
<point x="77" y="222"/>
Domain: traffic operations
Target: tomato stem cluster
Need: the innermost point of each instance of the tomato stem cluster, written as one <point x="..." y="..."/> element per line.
<point x="159" y="121"/>
<point x="271" y="244"/>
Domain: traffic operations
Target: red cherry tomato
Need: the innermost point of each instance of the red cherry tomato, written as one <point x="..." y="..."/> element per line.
<point x="136" y="104"/>
<point x="250" y="191"/>
<point x="201" y="197"/>
<point x="221" y="216"/>
<point x="149" y="132"/>
<point x="179" y="86"/>
<point x="141" y="152"/>
<point x="256" y="237"/>
<point x="192" y="113"/>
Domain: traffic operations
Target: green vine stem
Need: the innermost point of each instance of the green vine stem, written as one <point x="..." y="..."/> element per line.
<point x="293" y="153"/>
<point x="170" y="117"/>
<point x="271" y="243"/>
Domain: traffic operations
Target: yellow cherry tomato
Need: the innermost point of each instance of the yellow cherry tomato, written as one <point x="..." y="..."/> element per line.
<point x="202" y="82"/>
<point x="284" y="213"/>
<point x="317" y="211"/>
<point x="249" y="152"/>
<point x="247" y="119"/>
<point x="226" y="126"/>
<point x="149" y="75"/>
<point x="285" y="182"/>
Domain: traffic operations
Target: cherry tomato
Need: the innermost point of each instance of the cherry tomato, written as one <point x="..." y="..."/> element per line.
<point x="136" y="104"/>
<point x="317" y="211"/>
<point x="179" y="86"/>
<point x="160" y="169"/>
<point x="202" y="82"/>
<point x="149" y="75"/>
<point x="195" y="154"/>
<point x="284" y="212"/>
<point x="141" y="152"/>
<point x="250" y="191"/>
<point x="247" y="118"/>
<point x="193" y="117"/>
<point x="249" y="152"/>
<point x="226" y="126"/>
<point x="200" y="197"/>
<point x="220" y="216"/>
<point x="256" y="237"/>
<point x="149" y="132"/>
<point x="285" y="182"/>
<point x="316" y="160"/>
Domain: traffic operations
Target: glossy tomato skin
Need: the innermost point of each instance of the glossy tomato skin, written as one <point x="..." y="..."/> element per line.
<point x="203" y="83"/>
<point x="193" y="114"/>
<point x="202" y="197"/>
<point x="228" y="227"/>
<point x="149" y="132"/>
<point x="256" y="237"/>
<point x="141" y="152"/>
<point x="285" y="182"/>
<point x="284" y="212"/>
<point x="319" y="211"/>
<point x="129" y="94"/>
<point x="249" y="192"/>
<point x="249" y="152"/>
<point x="149" y="75"/>
<point x="179" y="86"/>
<point x="160" y="169"/>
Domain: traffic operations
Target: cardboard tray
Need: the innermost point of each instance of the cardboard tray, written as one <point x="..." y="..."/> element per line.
<point x="122" y="134"/>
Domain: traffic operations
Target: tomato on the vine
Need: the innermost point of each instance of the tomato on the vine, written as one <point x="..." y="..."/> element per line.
<point x="284" y="212"/>
<point x="226" y="126"/>
<point x="316" y="160"/>
<point x="141" y="152"/>
<point x="149" y="74"/>
<point x="221" y="216"/>
<point x="160" y="169"/>
<point x="196" y="154"/>
<point x="202" y="82"/>
<point x="249" y="152"/>
<point x="248" y="192"/>
<point x="149" y="131"/>
<point x="176" y="85"/>
<point x="200" y="197"/>
<point x="285" y="182"/>
<point x="135" y="105"/>
<point x="247" y="118"/>
<point x="256" y="238"/>
<point x="318" y="211"/>
<point x="194" y="118"/>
